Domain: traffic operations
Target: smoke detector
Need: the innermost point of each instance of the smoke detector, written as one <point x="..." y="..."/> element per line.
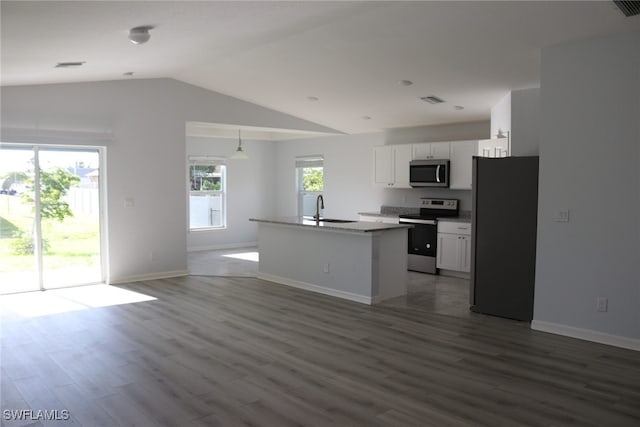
<point x="140" y="35"/>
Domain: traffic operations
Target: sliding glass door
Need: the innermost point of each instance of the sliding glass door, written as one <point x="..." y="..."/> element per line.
<point x="51" y="218"/>
<point x="18" y="260"/>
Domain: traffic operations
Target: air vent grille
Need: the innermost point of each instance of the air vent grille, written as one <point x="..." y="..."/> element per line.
<point x="629" y="8"/>
<point x="69" y="64"/>
<point x="432" y="99"/>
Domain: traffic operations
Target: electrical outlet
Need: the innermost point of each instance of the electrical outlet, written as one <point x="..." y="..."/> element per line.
<point x="601" y="304"/>
<point x="562" y="215"/>
<point x="325" y="268"/>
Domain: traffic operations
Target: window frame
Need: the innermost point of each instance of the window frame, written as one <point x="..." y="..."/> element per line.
<point x="302" y="163"/>
<point x="208" y="161"/>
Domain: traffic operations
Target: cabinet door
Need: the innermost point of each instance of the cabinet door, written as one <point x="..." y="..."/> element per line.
<point x="430" y="150"/>
<point x="421" y="151"/>
<point x="448" y="251"/>
<point x="465" y="253"/>
<point x="462" y="153"/>
<point x="440" y="150"/>
<point x="402" y="157"/>
<point x="383" y="165"/>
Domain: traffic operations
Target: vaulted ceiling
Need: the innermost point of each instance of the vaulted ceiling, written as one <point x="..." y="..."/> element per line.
<point x="339" y="64"/>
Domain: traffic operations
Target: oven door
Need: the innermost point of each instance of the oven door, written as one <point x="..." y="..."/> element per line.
<point x="429" y="173"/>
<point x="422" y="238"/>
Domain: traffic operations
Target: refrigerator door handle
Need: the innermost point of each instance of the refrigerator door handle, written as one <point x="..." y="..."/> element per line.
<point x="438" y="173"/>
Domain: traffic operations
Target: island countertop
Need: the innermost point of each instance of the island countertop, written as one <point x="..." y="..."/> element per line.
<point x="355" y="226"/>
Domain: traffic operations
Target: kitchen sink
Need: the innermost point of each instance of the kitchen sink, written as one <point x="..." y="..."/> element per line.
<point x="336" y="221"/>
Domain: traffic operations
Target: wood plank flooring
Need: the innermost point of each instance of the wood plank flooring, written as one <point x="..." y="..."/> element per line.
<point x="213" y="351"/>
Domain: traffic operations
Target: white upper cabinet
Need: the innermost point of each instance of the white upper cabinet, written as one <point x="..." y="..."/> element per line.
<point x="462" y="153"/>
<point x="430" y="150"/>
<point x="382" y="165"/>
<point x="391" y="162"/>
<point x="391" y="166"/>
<point x="402" y="158"/>
<point x="460" y="168"/>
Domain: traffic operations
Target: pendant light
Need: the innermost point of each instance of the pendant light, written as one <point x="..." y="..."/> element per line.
<point x="239" y="154"/>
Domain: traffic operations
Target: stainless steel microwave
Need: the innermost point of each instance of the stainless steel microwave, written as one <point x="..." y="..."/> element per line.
<point x="429" y="173"/>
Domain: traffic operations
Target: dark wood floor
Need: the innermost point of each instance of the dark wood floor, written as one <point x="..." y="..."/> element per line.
<point x="240" y="351"/>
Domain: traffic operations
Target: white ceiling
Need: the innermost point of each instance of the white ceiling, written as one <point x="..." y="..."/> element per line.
<point x="350" y="55"/>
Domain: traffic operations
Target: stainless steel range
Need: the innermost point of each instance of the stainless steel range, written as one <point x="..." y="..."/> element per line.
<point x="423" y="238"/>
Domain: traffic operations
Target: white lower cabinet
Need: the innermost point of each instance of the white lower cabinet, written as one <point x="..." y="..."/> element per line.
<point x="454" y="246"/>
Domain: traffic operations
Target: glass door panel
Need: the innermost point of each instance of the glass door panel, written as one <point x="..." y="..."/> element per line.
<point x="18" y="236"/>
<point x="70" y="212"/>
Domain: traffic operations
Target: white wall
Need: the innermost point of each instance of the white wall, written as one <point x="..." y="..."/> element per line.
<point x="250" y="190"/>
<point x="145" y="160"/>
<point x="348" y="173"/>
<point x="348" y="162"/>
<point x="590" y="164"/>
<point x="525" y="122"/>
<point x="501" y="115"/>
<point x="519" y="113"/>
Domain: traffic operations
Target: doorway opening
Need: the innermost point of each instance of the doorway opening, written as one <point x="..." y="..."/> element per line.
<point x="51" y="217"/>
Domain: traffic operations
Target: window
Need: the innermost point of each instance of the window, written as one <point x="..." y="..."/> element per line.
<point x="207" y="193"/>
<point x="310" y="179"/>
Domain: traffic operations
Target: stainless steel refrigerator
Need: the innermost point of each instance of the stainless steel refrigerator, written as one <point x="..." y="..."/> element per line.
<point x="503" y="241"/>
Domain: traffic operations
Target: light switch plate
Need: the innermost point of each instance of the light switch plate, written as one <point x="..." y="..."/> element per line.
<point x="562" y="215"/>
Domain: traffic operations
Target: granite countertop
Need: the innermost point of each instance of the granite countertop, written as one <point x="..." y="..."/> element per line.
<point x="379" y="214"/>
<point x="356" y="226"/>
<point x="392" y="211"/>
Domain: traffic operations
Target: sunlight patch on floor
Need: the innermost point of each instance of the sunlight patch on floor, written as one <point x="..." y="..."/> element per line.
<point x="43" y="303"/>
<point x="245" y="256"/>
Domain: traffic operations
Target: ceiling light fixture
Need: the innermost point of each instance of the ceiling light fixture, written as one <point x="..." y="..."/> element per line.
<point x="70" y="64"/>
<point x="239" y="154"/>
<point x="140" y="35"/>
<point x="432" y="99"/>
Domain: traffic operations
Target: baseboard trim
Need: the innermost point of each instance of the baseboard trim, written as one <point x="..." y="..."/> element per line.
<point x="586" y="334"/>
<point x="222" y="246"/>
<point x="150" y="276"/>
<point x="316" y="288"/>
<point x="453" y="273"/>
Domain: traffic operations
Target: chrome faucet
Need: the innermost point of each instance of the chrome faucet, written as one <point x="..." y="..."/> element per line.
<point x="319" y="205"/>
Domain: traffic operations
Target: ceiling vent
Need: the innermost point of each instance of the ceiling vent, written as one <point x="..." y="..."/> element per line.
<point x="629" y="8"/>
<point x="432" y="99"/>
<point x="70" y="64"/>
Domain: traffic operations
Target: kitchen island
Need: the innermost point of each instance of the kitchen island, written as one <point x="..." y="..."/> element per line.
<point x="359" y="261"/>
